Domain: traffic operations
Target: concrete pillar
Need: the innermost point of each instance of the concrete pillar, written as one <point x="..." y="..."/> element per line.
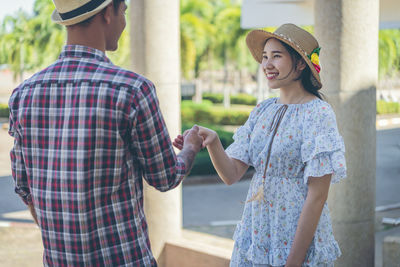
<point x="155" y="48"/>
<point x="262" y="88"/>
<point x="347" y="31"/>
<point x="198" y="96"/>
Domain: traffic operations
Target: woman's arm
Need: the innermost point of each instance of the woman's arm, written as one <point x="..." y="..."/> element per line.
<point x="230" y="170"/>
<point x="318" y="188"/>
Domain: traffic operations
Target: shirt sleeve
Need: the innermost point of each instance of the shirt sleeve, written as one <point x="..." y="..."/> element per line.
<point x="322" y="149"/>
<point x="240" y="149"/>
<point x="161" y="168"/>
<point x="18" y="169"/>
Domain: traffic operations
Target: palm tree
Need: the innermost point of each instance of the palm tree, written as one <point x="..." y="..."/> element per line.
<point x="230" y="45"/>
<point x="28" y="43"/>
<point x="196" y="35"/>
<point x="389" y="52"/>
<point x="15" y="49"/>
<point x="49" y="37"/>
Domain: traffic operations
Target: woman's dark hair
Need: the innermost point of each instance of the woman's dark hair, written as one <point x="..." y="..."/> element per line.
<point x="305" y="76"/>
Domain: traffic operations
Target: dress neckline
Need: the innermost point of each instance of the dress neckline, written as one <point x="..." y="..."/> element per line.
<point x="306" y="103"/>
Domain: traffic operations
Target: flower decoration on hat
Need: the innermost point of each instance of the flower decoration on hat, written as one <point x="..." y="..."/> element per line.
<point x="314" y="57"/>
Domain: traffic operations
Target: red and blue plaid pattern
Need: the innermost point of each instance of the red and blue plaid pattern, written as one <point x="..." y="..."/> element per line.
<point x="86" y="132"/>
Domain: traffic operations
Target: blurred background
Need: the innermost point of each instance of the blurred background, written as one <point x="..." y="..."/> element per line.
<point x="220" y="84"/>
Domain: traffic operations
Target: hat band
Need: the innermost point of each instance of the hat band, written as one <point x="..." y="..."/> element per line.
<point x="90" y="6"/>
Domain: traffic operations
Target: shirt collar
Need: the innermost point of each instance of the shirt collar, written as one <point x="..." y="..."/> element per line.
<point x="80" y="51"/>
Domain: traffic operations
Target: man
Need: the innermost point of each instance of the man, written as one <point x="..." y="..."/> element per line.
<point x="86" y="132"/>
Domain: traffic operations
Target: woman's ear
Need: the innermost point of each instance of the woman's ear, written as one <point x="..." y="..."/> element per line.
<point x="301" y="64"/>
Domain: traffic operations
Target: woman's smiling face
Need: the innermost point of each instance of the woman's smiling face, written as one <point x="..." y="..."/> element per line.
<point x="277" y="64"/>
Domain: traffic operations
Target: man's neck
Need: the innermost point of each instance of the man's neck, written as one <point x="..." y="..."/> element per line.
<point x="86" y="36"/>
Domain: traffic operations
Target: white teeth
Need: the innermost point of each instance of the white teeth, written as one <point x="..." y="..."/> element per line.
<point x="271" y="75"/>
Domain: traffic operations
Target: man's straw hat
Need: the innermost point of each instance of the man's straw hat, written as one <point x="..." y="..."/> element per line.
<point x="300" y="40"/>
<point x="69" y="12"/>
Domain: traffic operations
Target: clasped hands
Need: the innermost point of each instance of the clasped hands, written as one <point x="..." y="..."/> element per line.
<point x="198" y="136"/>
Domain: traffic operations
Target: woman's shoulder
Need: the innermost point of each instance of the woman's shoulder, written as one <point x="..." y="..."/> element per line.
<point x="265" y="103"/>
<point x="319" y="107"/>
<point x="260" y="108"/>
<point x="319" y="115"/>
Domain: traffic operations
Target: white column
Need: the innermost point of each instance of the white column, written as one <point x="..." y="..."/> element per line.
<point x="155" y="53"/>
<point x="262" y="87"/>
<point x="347" y="31"/>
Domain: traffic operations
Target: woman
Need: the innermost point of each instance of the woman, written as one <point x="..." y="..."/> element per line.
<point x="297" y="152"/>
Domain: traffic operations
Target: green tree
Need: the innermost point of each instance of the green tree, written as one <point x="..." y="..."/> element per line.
<point x="16" y="45"/>
<point x="29" y="42"/>
<point x="32" y="42"/>
<point x="211" y="39"/>
<point x="197" y="32"/>
<point x="389" y="52"/>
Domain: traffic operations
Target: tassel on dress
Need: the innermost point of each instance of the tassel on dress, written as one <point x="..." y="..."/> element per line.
<point x="259" y="196"/>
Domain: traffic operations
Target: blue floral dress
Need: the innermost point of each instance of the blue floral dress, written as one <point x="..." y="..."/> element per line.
<point x="303" y="141"/>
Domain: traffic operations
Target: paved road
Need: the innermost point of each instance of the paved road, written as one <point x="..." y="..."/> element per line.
<point x="388" y="167"/>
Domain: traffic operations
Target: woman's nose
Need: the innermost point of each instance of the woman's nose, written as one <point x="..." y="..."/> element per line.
<point x="266" y="64"/>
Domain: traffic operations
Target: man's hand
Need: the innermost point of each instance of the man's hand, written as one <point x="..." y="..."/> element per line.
<point x="178" y="142"/>
<point x="192" y="140"/>
<point x="33" y="212"/>
<point x="190" y="143"/>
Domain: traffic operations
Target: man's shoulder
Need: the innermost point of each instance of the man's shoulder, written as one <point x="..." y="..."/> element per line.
<point x="130" y="78"/>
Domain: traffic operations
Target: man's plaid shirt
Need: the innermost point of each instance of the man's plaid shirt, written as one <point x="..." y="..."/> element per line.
<point x="86" y="132"/>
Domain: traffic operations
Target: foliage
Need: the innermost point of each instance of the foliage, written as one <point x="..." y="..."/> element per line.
<point x="196" y="34"/>
<point x="206" y="113"/>
<point x="4" y="111"/>
<point x="383" y="107"/>
<point x="239" y="99"/>
<point x="29" y="42"/>
<point x="389" y="52"/>
<point x="211" y="36"/>
<point x="244" y="99"/>
<point x="213" y="97"/>
<point x="211" y="39"/>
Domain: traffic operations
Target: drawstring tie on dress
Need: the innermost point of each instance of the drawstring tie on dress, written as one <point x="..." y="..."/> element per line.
<point x="276" y="121"/>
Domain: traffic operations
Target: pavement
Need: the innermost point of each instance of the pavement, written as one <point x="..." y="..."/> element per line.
<point x="20" y="240"/>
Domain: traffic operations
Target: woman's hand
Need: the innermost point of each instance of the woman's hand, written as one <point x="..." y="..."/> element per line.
<point x="209" y="136"/>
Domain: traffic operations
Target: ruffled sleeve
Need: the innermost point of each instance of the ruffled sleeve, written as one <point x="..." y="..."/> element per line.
<point x="322" y="149"/>
<point x="240" y="148"/>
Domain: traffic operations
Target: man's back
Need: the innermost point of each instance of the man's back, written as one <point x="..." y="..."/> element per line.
<point x="86" y="131"/>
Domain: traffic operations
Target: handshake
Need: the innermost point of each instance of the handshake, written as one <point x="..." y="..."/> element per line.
<point x="196" y="138"/>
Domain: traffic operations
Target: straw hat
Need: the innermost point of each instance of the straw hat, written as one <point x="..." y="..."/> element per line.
<point x="69" y="12"/>
<point x="297" y="38"/>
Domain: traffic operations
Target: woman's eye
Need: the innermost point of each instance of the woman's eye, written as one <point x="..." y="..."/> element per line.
<point x="277" y="56"/>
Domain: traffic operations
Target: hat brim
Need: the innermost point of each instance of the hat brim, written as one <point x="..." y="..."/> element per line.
<point x="55" y="16"/>
<point x="256" y="40"/>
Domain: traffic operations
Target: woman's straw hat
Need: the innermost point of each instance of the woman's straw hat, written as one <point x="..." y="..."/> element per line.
<point x="297" y="38"/>
<point x="69" y="12"/>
